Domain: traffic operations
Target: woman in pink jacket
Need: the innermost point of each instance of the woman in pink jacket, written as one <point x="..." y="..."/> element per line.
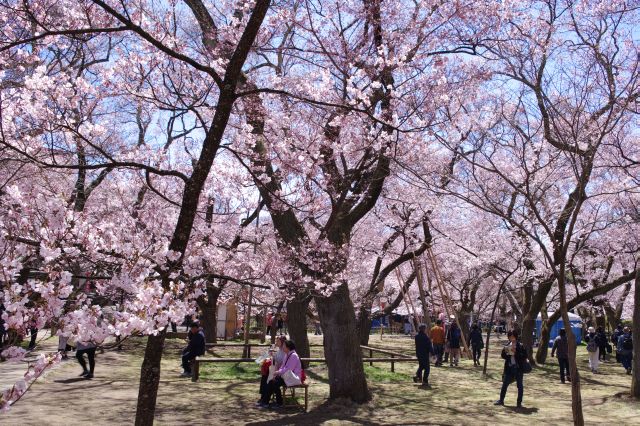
<point x="291" y="363"/>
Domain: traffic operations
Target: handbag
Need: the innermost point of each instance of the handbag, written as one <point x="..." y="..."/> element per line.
<point x="272" y="372"/>
<point x="290" y="379"/>
<point x="526" y="367"/>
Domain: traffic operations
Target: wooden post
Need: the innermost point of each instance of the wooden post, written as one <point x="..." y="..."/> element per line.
<point x="371" y="356"/>
<point x="247" y="324"/>
<point x="425" y="311"/>
<point x="393" y="365"/>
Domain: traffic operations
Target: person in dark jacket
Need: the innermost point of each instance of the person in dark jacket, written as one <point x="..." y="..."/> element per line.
<point x="424" y="349"/>
<point x="601" y="340"/>
<point x="614" y="339"/>
<point x="561" y="350"/>
<point x="453" y="340"/>
<point x="475" y="341"/>
<point x="625" y="349"/>
<point x="515" y="356"/>
<point x="195" y="347"/>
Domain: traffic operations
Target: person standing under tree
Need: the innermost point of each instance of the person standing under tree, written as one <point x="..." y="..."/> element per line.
<point x="592" y="349"/>
<point x="601" y="340"/>
<point x="423" y="350"/>
<point x="437" y="339"/>
<point x="625" y="349"/>
<point x="561" y="349"/>
<point x="476" y="343"/>
<point x="515" y="356"/>
<point x="453" y="340"/>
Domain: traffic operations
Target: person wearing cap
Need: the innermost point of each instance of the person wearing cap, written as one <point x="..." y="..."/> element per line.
<point x="592" y="349"/>
<point x="195" y="347"/>
<point x="561" y="350"/>
<point x="423" y="350"/>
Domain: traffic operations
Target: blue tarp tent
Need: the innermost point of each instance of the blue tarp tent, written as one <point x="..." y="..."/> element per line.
<point x="576" y="326"/>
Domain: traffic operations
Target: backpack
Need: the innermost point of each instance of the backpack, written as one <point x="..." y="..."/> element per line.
<point x="455" y="337"/>
<point x="627" y="343"/>
<point x="592" y="346"/>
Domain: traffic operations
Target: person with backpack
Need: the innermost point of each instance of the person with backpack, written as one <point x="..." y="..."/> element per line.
<point x="614" y="339"/>
<point x="592" y="349"/>
<point x="625" y="349"/>
<point x="453" y="339"/>
<point x="602" y="341"/>
<point x="515" y="358"/>
<point x="423" y="350"/>
<point x="476" y="343"/>
<point x="561" y="349"/>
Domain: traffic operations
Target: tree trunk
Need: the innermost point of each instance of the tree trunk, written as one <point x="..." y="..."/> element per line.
<point x="538" y="300"/>
<point x="543" y="347"/>
<point x="209" y="306"/>
<point x="149" y="380"/>
<point x="297" y="321"/>
<point x="364" y="324"/>
<point x="341" y="346"/>
<point x="635" y="367"/>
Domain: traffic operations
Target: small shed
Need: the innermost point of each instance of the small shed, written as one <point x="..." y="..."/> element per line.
<point x="574" y="320"/>
<point x="227" y="320"/>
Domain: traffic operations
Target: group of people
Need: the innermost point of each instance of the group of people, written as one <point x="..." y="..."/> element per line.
<point x="516" y="364"/>
<point x="598" y="347"/>
<point x="281" y="368"/>
<point x="446" y="342"/>
<point x="276" y="321"/>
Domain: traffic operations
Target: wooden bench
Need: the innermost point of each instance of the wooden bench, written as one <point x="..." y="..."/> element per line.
<point x="292" y="390"/>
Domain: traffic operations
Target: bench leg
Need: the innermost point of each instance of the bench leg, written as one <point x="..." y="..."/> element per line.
<point x="196" y="371"/>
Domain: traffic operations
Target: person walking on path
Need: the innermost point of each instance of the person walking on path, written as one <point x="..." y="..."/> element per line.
<point x="592" y="349"/>
<point x="437" y="339"/>
<point x="515" y="356"/>
<point x="476" y="343"/>
<point x="614" y="339"/>
<point x="424" y="349"/>
<point x="453" y="339"/>
<point x="625" y="349"/>
<point x="88" y="348"/>
<point x="195" y="347"/>
<point x="601" y="340"/>
<point x="561" y="350"/>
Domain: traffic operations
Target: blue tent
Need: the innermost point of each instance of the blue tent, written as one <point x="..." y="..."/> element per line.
<point x="576" y="327"/>
<point x="375" y="323"/>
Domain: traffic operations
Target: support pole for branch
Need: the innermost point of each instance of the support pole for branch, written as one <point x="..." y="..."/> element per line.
<point x="444" y="291"/>
<point x="425" y="311"/>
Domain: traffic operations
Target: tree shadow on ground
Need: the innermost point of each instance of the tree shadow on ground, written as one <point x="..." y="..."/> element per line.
<point x="322" y="413"/>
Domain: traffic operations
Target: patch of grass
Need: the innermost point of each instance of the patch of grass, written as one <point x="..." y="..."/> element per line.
<point x="383" y="374"/>
<point x="229" y="371"/>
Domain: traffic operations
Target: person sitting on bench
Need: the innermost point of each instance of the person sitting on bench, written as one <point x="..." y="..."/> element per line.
<point x="291" y="363"/>
<point x="196" y="347"/>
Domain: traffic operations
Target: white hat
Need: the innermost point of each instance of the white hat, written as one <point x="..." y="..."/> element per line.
<point x="592" y="330"/>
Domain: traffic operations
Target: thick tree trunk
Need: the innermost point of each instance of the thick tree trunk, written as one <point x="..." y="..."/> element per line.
<point x="635" y="370"/>
<point x="209" y="306"/>
<point x="149" y="380"/>
<point x="297" y="321"/>
<point x="341" y="347"/>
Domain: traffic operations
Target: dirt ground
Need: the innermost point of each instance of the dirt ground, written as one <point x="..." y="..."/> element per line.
<point x="227" y="394"/>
